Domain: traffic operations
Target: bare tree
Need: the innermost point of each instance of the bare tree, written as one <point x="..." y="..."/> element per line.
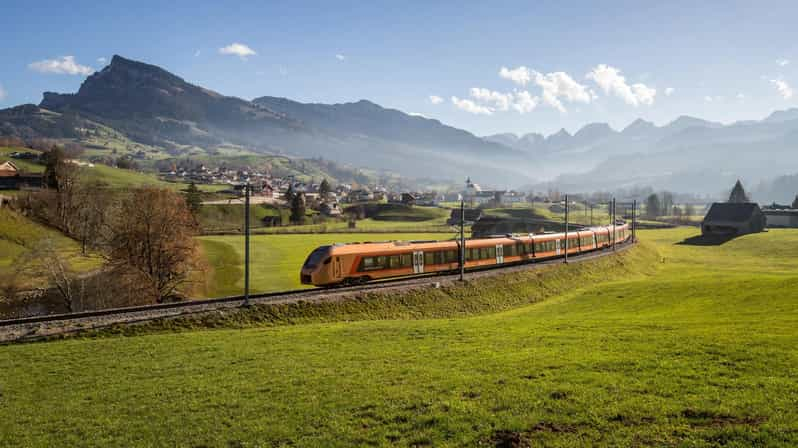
<point x="152" y="236"/>
<point x="45" y="261"/>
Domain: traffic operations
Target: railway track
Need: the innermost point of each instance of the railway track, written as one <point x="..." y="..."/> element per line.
<point x="38" y="327"/>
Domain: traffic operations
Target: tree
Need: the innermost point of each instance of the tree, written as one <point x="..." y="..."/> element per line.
<point x="738" y="194"/>
<point x="667" y="202"/>
<point x="46" y="261"/>
<point x="193" y="198"/>
<point x="152" y="237"/>
<point x="289" y="195"/>
<point x="652" y="206"/>
<point x="298" y="209"/>
<point x="795" y="202"/>
<point x="89" y="217"/>
<point x="61" y="176"/>
<point x="324" y="189"/>
<point x="689" y="210"/>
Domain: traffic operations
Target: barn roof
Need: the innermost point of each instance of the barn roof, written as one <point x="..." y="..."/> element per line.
<point x="733" y="212"/>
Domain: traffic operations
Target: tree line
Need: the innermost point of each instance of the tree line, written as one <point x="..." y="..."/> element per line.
<point x="144" y="235"/>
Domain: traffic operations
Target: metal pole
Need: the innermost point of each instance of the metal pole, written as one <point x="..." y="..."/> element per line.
<point x="591" y="215"/>
<point x="614" y="236"/>
<point x="566" y="229"/>
<point x="634" y="220"/>
<point x="585" y="222"/>
<point x="462" y="239"/>
<point x="246" y="244"/>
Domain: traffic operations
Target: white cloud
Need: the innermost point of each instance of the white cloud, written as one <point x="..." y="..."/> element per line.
<point x="525" y="102"/>
<point x="340" y="57"/>
<point x="782" y="62"/>
<point x="283" y="70"/>
<point x="102" y="60"/>
<point x="669" y="91"/>
<point x="498" y="100"/>
<point x="611" y="81"/>
<point x="435" y="99"/>
<point x="520" y="75"/>
<point x="3" y="93"/>
<point x="558" y="85"/>
<point x="417" y="114"/>
<point x="197" y="53"/>
<point x="237" y="49"/>
<point x="66" y="65"/>
<point x="708" y="99"/>
<point x="470" y="106"/>
<point x="740" y="96"/>
<point x="783" y="87"/>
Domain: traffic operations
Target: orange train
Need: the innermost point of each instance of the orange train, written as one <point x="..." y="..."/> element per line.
<point x="343" y="264"/>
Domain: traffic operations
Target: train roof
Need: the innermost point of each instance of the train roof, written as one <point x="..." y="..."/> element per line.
<point x="402" y="246"/>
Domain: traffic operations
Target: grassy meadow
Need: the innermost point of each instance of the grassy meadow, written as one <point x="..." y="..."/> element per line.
<point x="19" y="235"/>
<point x="667" y="345"/>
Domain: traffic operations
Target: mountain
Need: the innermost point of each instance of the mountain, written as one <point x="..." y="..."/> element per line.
<point x="780" y="116"/>
<point x="155" y="107"/>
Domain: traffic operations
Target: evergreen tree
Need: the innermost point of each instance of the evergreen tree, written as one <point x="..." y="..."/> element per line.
<point x="738" y="194"/>
<point x="298" y="209"/>
<point x="54" y="162"/>
<point x="289" y="195"/>
<point x="667" y="203"/>
<point x="652" y="206"/>
<point x="193" y="198"/>
<point x="795" y="202"/>
<point x="324" y="189"/>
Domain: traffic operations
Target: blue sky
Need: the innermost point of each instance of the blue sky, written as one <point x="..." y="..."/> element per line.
<point x="567" y="63"/>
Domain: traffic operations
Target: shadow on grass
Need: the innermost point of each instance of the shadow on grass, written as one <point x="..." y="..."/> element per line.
<point x="706" y="240"/>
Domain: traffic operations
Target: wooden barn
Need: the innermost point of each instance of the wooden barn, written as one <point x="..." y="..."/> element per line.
<point x="725" y="218"/>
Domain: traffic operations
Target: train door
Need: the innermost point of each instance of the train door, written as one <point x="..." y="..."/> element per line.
<point x="558" y="246"/>
<point x="418" y="262"/>
<point x="499" y="254"/>
<point x="337" y="267"/>
<point x="595" y="241"/>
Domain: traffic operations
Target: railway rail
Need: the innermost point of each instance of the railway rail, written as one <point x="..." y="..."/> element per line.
<point x="39" y="327"/>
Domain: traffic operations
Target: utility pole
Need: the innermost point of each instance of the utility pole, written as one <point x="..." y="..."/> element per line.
<point x="613" y="224"/>
<point x="566" y="229"/>
<point x="462" y="239"/>
<point x="585" y="221"/>
<point x="247" y="188"/>
<point x="591" y="215"/>
<point x="634" y="220"/>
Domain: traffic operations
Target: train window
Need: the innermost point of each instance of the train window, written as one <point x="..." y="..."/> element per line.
<point x="394" y="262"/>
<point x="328" y="260"/>
<point x="509" y="250"/>
<point x="406" y="260"/>
<point x="372" y="263"/>
<point x="429" y="258"/>
<point x="491" y="252"/>
<point x="451" y="256"/>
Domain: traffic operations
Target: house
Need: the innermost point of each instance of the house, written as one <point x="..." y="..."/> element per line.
<point x="360" y="195"/>
<point x="330" y="209"/>
<point x="408" y="199"/>
<point x="725" y="218"/>
<point x="782" y="217"/>
<point x="12" y="179"/>
<point x="471" y="216"/>
<point x="8" y="169"/>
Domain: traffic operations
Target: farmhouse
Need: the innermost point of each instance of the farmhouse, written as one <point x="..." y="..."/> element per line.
<point x="11" y="178"/>
<point x="787" y="217"/>
<point x="725" y="218"/>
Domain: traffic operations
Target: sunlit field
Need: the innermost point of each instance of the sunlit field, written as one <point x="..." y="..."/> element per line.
<point x="667" y="344"/>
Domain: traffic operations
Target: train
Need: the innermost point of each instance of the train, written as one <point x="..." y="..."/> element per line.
<point x="357" y="263"/>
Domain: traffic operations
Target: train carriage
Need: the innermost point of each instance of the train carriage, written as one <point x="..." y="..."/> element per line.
<point x="339" y="264"/>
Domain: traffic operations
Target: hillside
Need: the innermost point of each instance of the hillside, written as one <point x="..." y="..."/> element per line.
<point x="650" y="351"/>
<point x="153" y="107"/>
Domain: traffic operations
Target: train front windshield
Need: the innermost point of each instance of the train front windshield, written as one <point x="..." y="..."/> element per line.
<point x="316" y="257"/>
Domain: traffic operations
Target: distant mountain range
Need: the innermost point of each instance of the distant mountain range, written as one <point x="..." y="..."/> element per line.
<point x="152" y="106"/>
<point x="149" y="105"/>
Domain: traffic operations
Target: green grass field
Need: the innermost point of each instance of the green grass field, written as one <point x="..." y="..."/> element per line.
<point x="276" y="259"/>
<point x="669" y="345"/>
<point x="19" y="235"/>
